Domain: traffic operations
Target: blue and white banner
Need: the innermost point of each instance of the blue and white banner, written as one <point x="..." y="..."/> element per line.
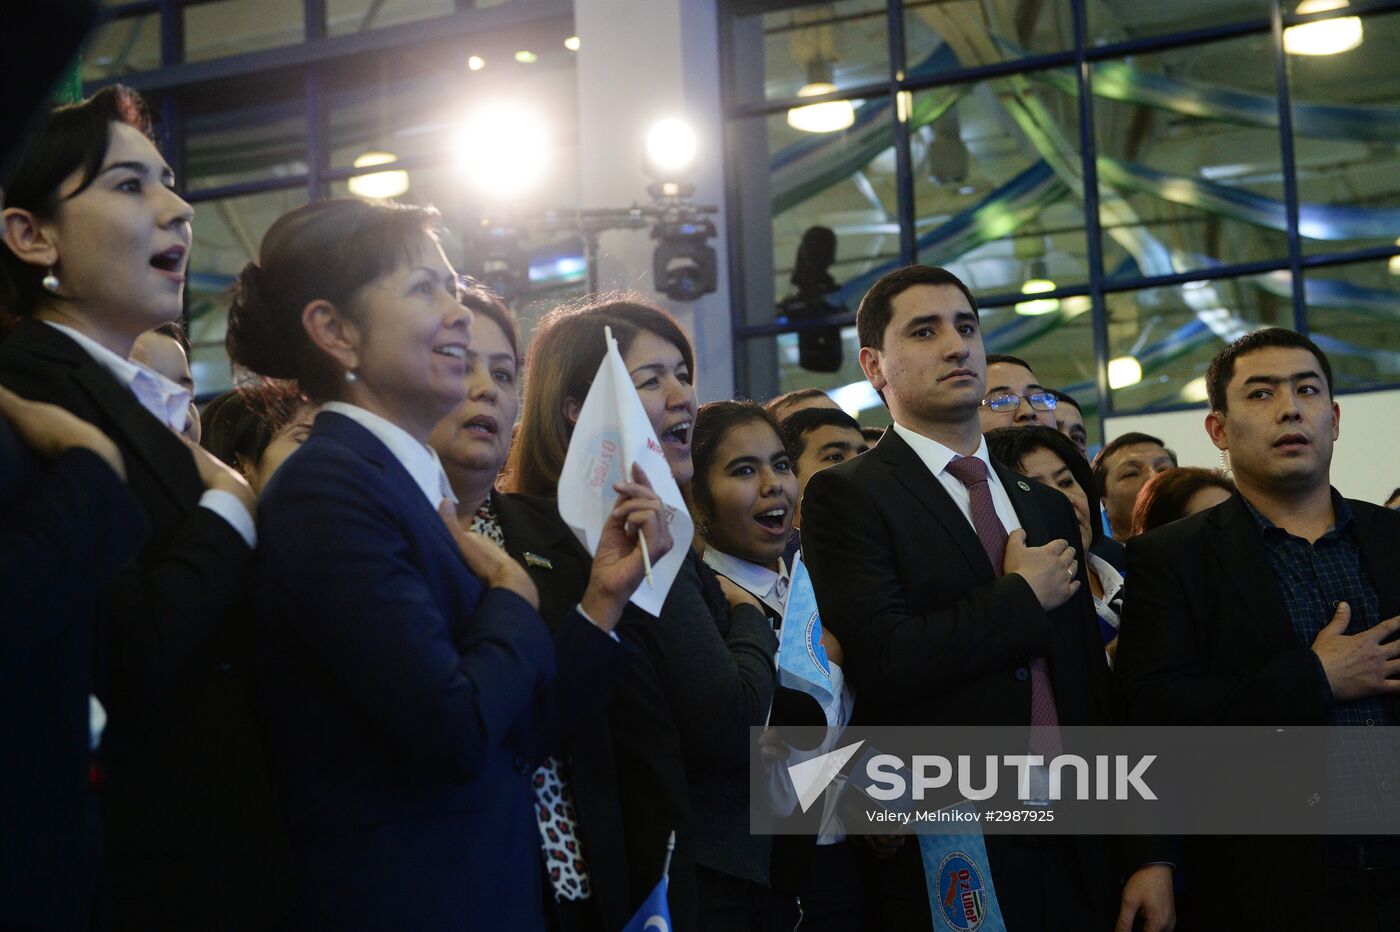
<point x="802" y="661"/>
<point x="961" y="894"/>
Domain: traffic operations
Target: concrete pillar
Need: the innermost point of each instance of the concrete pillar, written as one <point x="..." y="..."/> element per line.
<point x="640" y="61"/>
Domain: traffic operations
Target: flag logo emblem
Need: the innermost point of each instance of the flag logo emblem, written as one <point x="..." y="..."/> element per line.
<point x="963" y="893"/>
<point x="815" y="650"/>
<point x="603" y="468"/>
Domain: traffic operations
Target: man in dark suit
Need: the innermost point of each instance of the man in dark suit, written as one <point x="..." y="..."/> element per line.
<point x="957" y="599"/>
<point x="68" y="526"/>
<point x="1268" y="610"/>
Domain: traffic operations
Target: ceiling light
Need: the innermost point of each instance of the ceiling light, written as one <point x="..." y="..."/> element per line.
<point x="670" y="147"/>
<point x="526" y="57"/>
<point x="1123" y="372"/>
<point x="1037" y="306"/>
<point x="1394" y="265"/>
<point x="829" y="117"/>
<point x="571" y="43"/>
<point x="378" y="185"/>
<point x="1326" y="36"/>
<point x="1195" y="390"/>
<point x="505" y="150"/>
<point x="476" y="63"/>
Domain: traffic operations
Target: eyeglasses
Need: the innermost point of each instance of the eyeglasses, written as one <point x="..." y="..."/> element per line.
<point x="1006" y="402"/>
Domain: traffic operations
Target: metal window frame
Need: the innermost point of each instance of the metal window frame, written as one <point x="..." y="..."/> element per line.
<point x="1081" y="58"/>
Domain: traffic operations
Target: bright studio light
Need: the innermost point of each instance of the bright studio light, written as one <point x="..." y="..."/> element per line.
<point x="1195" y="390"/>
<point x="378" y="185"/>
<point x="476" y="63"/>
<point x="1124" y="371"/>
<point x="1037" y="306"/>
<point x="1393" y="266"/>
<point x="671" y="146"/>
<point x="1324" y="37"/>
<point x="572" y="43"/>
<point x="526" y="57"/>
<point x="828" y="117"/>
<point x="505" y="151"/>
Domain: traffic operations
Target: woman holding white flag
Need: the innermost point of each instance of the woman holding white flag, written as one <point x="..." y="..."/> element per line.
<point x="681" y="716"/>
<point x="576" y="790"/>
<point x="409" y="684"/>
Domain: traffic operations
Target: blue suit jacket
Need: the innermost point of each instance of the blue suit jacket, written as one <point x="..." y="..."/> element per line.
<point x="407" y="706"/>
<point x="66" y="530"/>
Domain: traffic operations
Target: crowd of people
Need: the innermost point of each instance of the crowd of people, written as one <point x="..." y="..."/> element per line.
<point x="325" y="656"/>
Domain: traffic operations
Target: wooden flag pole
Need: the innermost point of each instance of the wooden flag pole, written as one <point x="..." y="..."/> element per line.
<point x="641" y="536"/>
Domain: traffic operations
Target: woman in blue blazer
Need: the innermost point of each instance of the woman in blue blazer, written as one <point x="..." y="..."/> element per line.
<point x="409" y="685"/>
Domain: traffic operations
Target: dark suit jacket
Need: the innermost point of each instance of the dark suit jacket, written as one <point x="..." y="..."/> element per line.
<point x="532" y="528"/>
<point x="680" y="725"/>
<point x="66" y="530"/>
<point x="1206" y="640"/>
<point x="182" y="757"/>
<point x="931" y="635"/>
<point x="407" y="705"/>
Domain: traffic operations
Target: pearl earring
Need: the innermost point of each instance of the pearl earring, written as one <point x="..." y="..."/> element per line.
<point x="51" y="282"/>
<point x="350" y="375"/>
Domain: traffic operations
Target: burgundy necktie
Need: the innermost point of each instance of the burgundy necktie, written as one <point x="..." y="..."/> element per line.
<point x="972" y="472"/>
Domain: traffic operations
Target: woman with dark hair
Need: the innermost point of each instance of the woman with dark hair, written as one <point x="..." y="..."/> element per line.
<point x="744" y="498"/>
<point x="255" y="428"/>
<point x="1050" y="458"/>
<point x="680" y="719"/>
<point x="1176" y="493"/>
<point x="576" y="790"/>
<point x="96" y="243"/>
<point x="409" y="685"/>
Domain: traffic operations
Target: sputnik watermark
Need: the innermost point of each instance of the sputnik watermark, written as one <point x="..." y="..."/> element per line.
<point x="1114" y="777"/>
<point x="1116" y="780"/>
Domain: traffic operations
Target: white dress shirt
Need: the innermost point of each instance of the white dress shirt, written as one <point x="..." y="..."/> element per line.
<point x="420" y="460"/>
<point x="1112" y="581"/>
<point x="168" y="403"/>
<point x="937" y="457"/>
<point x="763" y="584"/>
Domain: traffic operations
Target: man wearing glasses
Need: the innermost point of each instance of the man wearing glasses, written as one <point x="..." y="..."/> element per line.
<point x="1014" y="398"/>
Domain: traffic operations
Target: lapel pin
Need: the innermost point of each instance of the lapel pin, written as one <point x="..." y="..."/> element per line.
<point x="536" y="560"/>
<point x="1020" y="484"/>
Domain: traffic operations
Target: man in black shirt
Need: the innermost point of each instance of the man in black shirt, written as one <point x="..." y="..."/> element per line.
<point x="1273" y="608"/>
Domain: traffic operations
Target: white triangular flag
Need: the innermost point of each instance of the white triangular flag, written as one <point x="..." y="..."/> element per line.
<point x="612" y="433"/>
